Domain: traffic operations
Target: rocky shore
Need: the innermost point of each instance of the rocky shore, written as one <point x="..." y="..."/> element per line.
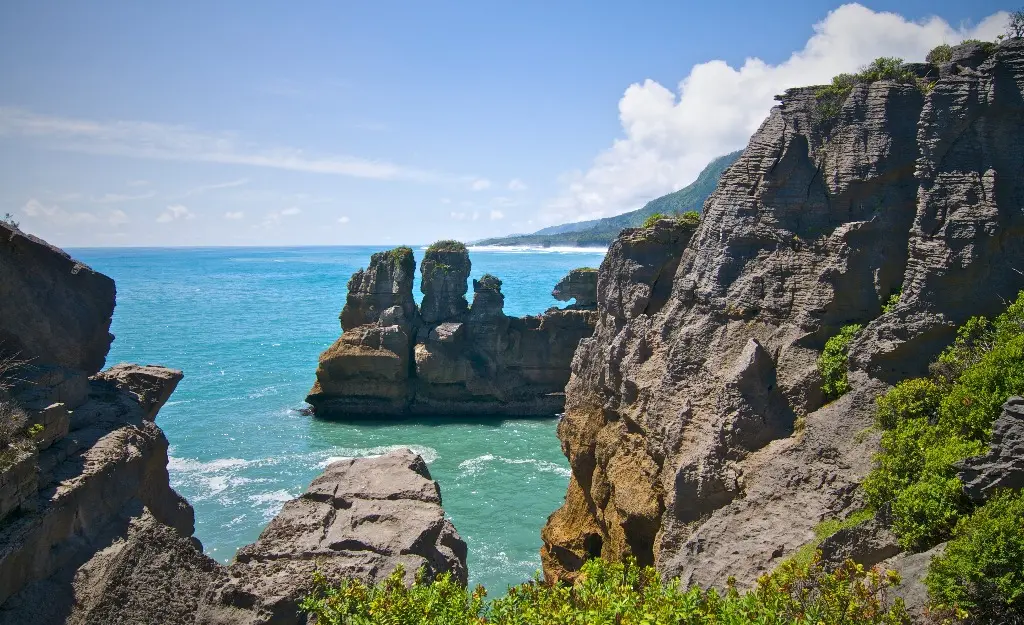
<point x="698" y="434"/>
<point x="91" y="531"/>
<point x="446" y="357"/>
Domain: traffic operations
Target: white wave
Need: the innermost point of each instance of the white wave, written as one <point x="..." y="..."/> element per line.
<point x="271" y="503"/>
<point x="429" y="454"/>
<point x="475" y="465"/>
<point x="536" y="249"/>
<point x="191" y="465"/>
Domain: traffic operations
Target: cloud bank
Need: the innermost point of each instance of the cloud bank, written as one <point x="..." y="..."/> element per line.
<point x="669" y="136"/>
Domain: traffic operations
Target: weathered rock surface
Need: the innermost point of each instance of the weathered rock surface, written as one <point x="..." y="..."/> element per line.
<point x="682" y="410"/>
<point x="53" y="309"/>
<point x="151" y="384"/>
<point x="385" y="284"/>
<point x="360" y="519"/>
<point x="449" y="358"/>
<point x="578" y="284"/>
<point x="1003" y="466"/>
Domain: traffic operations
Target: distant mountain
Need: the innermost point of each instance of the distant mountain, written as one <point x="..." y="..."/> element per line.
<point x="601" y="232"/>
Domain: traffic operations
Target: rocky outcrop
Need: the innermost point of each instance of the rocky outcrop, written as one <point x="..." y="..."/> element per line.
<point x="1003" y="465"/>
<point x="447" y="357"/>
<point x="694" y="422"/>
<point x="53" y="309"/>
<point x="578" y="284"/>
<point x="360" y="519"/>
<point x="91" y="531"/>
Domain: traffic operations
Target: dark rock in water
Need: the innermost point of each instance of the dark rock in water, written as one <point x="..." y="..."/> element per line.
<point x="360" y="519"/>
<point x="448" y="358"/>
<point x="444" y="272"/>
<point x="697" y="453"/>
<point x="384" y="285"/>
<point x="1003" y="466"/>
<point x="54" y="310"/>
<point x="578" y="284"/>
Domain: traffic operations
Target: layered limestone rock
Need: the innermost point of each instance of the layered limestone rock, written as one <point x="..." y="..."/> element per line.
<point x="1003" y="465"/>
<point x="694" y="420"/>
<point x="580" y="285"/>
<point x="360" y="519"/>
<point x="447" y="357"/>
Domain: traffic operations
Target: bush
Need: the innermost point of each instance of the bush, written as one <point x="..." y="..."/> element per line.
<point x="981" y="570"/>
<point x="940" y="54"/>
<point x="892" y="301"/>
<point x="447" y="245"/>
<point x="12" y="423"/>
<point x="400" y="255"/>
<point x="619" y="594"/>
<point x="689" y="219"/>
<point x="832" y="362"/>
<point x="830" y="98"/>
<point x="653" y="219"/>
<point x="932" y="423"/>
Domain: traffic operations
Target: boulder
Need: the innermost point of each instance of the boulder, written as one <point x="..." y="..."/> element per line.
<point x="1003" y="465"/>
<point x="151" y="384"/>
<point x="54" y="310"/>
<point x="362" y="518"/>
<point x="578" y="284"/>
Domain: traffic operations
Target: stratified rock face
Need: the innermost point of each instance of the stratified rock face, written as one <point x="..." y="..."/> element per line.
<point x="151" y="384"/>
<point x="578" y="284"/>
<point x="1003" y="465"/>
<point x="448" y="358"/>
<point x="53" y="309"/>
<point x="681" y="414"/>
<point x="386" y="283"/>
<point x="360" y="519"/>
<point x="445" y="270"/>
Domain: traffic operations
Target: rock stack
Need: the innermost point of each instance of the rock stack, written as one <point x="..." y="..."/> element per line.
<point x="445" y="357"/>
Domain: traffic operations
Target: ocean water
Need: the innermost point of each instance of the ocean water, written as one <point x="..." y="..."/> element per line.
<point x="246" y="325"/>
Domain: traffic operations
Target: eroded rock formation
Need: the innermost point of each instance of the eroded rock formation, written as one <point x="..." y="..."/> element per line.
<point x="91" y="531"/>
<point x="446" y="357"/>
<point x="695" y="424"/>
<point x="580" y="285"/>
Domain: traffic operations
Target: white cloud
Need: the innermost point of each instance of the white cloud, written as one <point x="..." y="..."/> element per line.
<point x="669" y="136"/>
<point x="343" y="219"/>
<point x="51" y="213"/>
<point x="175" y="212"/>
<point x="217" y="185"/>
<point x="274" y="217"/>
<point x="150" y="140"/>
<point x="496" y="215"/>
<point x="516" y="185"/>
<point x="234" y="215"/>
<point x="291" y="210"/>
<point x="114" y="198"/>
<point x="480" y="184"/>
<point x="117" y="218"/>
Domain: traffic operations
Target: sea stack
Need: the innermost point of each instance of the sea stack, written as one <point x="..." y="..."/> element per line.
<point x="446" y="357"/>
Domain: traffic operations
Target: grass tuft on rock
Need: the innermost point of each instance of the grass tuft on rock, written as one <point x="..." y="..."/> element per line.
<point x="446" y="245"/>
<point x="832" y="364"/>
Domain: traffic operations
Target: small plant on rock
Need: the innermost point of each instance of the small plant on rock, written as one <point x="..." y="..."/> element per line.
<point x="940" y="54"/>
<point x="832" y="363"/>
<point x="653" y="219"/>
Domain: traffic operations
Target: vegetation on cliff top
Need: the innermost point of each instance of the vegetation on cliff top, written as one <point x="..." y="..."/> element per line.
<point x="831" y="97"/>
<point x="446" y="245"/>
<point x="400" y="254"/>
<point x="688" y="219"/>
<point x="487" y="282"/>
<point x="619" y="594"/>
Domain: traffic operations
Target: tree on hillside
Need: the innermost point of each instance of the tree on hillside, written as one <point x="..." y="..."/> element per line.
<point x="1015" y="29"/>
<point x="9" y="220"/>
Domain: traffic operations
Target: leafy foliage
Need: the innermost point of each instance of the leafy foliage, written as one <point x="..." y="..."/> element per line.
<point x="618" y="594"/>
<point x="940" y="54"/>
<point x="1015" y="27"/>
<point x="892" y="301"/>
<point x="981" y="571"/>
<point x="830" y="98"/>
<point x="400" y="255"/>
<point x="446" y="245"/>
<point x="689" y="219"/>
<point x="832" y="362"/>
<point x="932" y="423"/>
<point x="653" y="219"/>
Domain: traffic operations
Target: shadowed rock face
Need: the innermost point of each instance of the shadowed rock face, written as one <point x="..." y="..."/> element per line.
<point x="449" y="358"/>
<point x="579" y="284"/>
<point x="386" y="284"/>
<point x="1003" y="466"/>
<point x="681" y="410"/>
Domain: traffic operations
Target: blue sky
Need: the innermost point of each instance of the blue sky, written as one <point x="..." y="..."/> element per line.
<point x="271" y="123"/>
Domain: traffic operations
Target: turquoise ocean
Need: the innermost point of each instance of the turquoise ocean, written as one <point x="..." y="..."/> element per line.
<point x="246" y="325"/>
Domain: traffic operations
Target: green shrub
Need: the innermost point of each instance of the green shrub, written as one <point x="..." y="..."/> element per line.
<point x="832" y="362"/>
<point x="618" y="594"/>
<point x="447" y="245"/>
<point x="981" y="570"/>
<point x="892" y="301"/>
<point x="932" y="423"/>
<point x="653" y="219"/>
<point x="910" y="399"/>
<point x="689" y="219"/>
<point x="940" y="54"/>
<point x="831" y="97"/>
<point x="400" y="254"/>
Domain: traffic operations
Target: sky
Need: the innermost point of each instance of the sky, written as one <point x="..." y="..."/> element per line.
<point x="196" y="123"/>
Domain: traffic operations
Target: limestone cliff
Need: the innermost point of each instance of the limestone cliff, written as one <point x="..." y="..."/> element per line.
<point x="695" y="424"/>
<point x="91" y="531"/>
<point x="445" y="357"/>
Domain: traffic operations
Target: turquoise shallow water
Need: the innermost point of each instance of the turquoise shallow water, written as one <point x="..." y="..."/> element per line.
<point x="246" y="326"/>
